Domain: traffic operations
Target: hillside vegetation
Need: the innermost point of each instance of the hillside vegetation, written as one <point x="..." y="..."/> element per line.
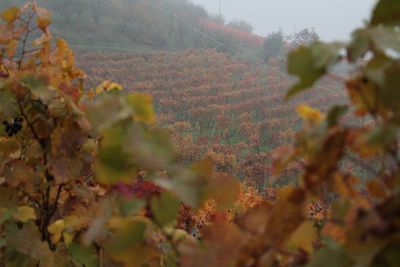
<point x="140" y="26"/>
<point x="227" y="108"/>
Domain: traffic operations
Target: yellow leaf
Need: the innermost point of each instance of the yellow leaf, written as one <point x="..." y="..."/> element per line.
<point x="117" y="222"/>
<point x="43" y="19"/>
<point x="179" y="235"/>
<point x="12" y="48"/>
<point x="56" y="229"/>
<point x="303" y="237"/>
<point x="363" y="96"/>
<point x="10" y="14"/>
<point x="61" y="44"/>
<point x="107" y="86"/>
<point x="310" y="114"/>
<point x="74" y="222"/>
<point x="142" y="107"/>
<point x="90" y="94"/>
<point x="24" y="214"/>
<point x="68" y="238"/>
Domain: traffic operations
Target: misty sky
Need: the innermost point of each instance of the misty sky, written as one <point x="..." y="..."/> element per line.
<point x="332" y="19"/>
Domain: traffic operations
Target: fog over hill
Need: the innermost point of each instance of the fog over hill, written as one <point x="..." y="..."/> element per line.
<point x="333" y="20"/>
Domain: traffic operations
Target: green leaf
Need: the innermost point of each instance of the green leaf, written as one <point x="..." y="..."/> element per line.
<point x="32" y="81"/>
<point x="165" y="208"/>
<point x="3" y="243"/>
<point x="390" y="93"/>
<point x="375" y="70"/>
<point x="129" y="147"/>
<point x="378" y="39"/>
<point x="310" y="63"/>
<point x="8" y="104"/>
<point x="386" y="12"/>
<point x="83" y="256"/>
<point x="303" y="237"/>
<point x="151" y="148"/>
<point x="186" y="184"/>
<point x="335" y="113"/>
<point x="131" y="206"/>
<point x="389" y="256"/>
<point x="142" y="107"/>
<point x="129" y="236"/>
<point x="18" y="259"/>
<point x="330" y="256"/>
<point x="5" y="215"/>
<point x="108" y="111"/>
<point x="115" y="163"/>
<point x="200" y="183"/>
<point x="340" y="208"/>
<point x="359" y="45"/>
<point x="26" y="240"/>
<point x="382" y="136"/>
<point x="385" y="38"/>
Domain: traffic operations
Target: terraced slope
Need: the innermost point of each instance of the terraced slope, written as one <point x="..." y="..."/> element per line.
<point x="231" y="109"/>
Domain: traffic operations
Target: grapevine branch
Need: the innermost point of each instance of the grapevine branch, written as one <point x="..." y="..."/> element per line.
<point x="48" y="207"/>
<point x="25" y="39"/>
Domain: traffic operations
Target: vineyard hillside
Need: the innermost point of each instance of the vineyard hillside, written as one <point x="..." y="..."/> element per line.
<point x="230" y="109"/>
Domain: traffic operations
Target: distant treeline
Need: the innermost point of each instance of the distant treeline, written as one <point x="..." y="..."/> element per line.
<point x="156" y="24"/>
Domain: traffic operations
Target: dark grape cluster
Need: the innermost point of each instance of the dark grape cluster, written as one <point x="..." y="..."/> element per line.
<point x="13" y="127"/>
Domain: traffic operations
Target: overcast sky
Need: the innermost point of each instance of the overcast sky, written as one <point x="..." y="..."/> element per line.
<point x="332" y="19"/>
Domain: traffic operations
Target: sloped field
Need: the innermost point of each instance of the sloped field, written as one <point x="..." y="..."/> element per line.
<point x="230" y="109"/>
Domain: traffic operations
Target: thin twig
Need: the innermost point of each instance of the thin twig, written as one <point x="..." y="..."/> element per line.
<point x="31" y="198"/>
<point x="24" y="41"/>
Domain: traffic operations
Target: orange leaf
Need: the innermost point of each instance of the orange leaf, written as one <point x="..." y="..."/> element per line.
<point x="376" y="189"/>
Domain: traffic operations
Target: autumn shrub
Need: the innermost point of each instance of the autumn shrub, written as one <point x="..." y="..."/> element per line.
<point x="79" y="166"/>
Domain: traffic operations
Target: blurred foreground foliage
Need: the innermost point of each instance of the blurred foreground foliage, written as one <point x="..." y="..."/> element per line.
<point x="87" y="178"/>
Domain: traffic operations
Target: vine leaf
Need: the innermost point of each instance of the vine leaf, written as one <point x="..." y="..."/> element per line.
<point x="386" y="12"/>
<point x="310" y="63"/>
<point x="43" y="18"/>
<point x="221" y="247"/>
<point x="165" y="208"/>
<point x="83" y="256"/>
<point x="24" y="214"/>
<point x="303" y="237"/>
<point x="142" y="107"/>
<point x="8" y="104"/>
<point x="330" y="256"/>
<point x="11" y="14"/>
